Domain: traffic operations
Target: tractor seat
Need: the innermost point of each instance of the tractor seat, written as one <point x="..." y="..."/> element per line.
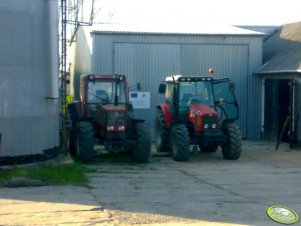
<point x="102" y="95"/>
<point x="185" y="98"/>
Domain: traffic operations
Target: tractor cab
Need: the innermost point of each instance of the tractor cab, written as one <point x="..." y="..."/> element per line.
<point x="105" y="101"/>
<point x="200" y="94"/>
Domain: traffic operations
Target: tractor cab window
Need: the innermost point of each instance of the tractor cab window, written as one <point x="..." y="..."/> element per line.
<point x="104" y="92"/>
<point x="169" y="91"/>
<point x="225" y="100"/>
<point x="196" y="92"/>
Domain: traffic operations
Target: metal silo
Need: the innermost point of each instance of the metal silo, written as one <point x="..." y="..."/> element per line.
<point x="29" y="107"/>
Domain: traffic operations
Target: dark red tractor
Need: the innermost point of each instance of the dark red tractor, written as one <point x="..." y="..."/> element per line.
<point x="104" y="116"/>
<point x="199" y="111"/>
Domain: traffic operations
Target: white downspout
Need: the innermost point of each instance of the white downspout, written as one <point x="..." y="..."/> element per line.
<point x="54" y="47"/>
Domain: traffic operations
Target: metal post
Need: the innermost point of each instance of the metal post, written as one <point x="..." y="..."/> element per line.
<point x="63" y="70"/>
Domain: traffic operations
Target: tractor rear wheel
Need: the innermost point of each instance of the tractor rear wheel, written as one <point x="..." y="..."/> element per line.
<point x="71" y="137"/>
<point x="71" y="143"/>
<point x="231" y="149"/>
<point x="161" y="132"/>
<point x="142" y="149"/>
<point x="179" y="142"/>
<point x="208" y="149"/>
<point x="84" y="141"/>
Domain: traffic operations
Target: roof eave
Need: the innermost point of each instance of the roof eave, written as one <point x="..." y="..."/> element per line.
<point x="172" y="33"/>
<point x="277" y="72"/>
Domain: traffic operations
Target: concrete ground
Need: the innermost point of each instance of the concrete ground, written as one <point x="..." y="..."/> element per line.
<point x="206" y="190"/>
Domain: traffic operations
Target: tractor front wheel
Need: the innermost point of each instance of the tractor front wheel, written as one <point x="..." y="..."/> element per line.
<point x="161" y="132"/>
<point x="231" y="149"/>
<point x="179" y="142"/>
<point x="84" y="141"/>
<point x="142" y="149"/>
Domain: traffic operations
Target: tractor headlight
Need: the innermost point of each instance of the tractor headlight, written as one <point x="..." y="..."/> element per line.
<point x="206" y="126"/>
<point x="213" y="126"/>
<point x="110" y="128"/>
<point x="121" y="128"/>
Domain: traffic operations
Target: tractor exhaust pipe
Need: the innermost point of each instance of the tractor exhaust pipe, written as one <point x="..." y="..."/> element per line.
<point x="116" y="91"/>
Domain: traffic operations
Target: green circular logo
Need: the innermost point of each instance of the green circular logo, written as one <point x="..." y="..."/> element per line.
<point x="282" y="215"/>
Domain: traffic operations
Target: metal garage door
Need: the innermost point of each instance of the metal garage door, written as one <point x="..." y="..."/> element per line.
<point x="148" y="64"/>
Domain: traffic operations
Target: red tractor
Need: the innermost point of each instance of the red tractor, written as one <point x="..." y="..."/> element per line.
<point x="105" y="115"/>
<point x="200" y="111"/>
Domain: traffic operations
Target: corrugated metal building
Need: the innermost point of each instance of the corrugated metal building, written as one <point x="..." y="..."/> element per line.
<point x="281" y="83"/>
<point x="148" y="54"/>
<point x="29" y="115"/>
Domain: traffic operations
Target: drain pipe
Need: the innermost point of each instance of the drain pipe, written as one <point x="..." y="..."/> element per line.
<point x="54" y="54"/>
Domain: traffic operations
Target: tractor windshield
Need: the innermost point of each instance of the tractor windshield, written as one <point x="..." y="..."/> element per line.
<point x="196" y="92"/>
<point x="225" y="100"/>
<point x="103" y="92"/>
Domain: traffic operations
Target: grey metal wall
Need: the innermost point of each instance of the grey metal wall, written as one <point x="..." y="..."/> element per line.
<point x="29" y="123"/>
<point x="150" y="63"/>
<point x="147" y="64"/>
<point x="152" y="57"/>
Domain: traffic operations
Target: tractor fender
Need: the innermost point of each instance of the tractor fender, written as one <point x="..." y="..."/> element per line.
<point x="167" y="114"/>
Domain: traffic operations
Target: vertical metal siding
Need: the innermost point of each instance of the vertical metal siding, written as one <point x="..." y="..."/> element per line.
<point x="29" y="119"/>
<point x="155" y="56"/>
<point x="147" y="64"/>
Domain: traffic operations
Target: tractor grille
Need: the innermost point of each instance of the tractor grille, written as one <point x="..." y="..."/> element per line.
<point x="210" y="119"/>
<point x="116" y="118"/>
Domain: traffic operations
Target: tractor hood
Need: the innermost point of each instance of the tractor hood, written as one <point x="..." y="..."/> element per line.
<point x="202" y="109"/>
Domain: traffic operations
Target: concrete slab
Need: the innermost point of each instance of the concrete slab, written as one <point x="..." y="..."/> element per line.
<point x="206" y="190"/>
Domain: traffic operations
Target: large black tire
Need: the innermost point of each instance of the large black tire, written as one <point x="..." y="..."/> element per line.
<point x="71" y="136"/>
<point x="161" y="133"/>
<point x="72" y="143"/>
<point x="140" y="153"/>
<point x="179" y="142"/>
<point x="231" y="149"/>
<point x="208" y="149"/>
<point x="84" y="141"/>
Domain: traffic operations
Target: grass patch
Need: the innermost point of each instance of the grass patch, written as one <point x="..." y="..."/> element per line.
<point x="65" y="174"/>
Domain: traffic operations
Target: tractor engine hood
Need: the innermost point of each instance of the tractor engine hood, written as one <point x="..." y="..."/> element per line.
<point x="201" y="109"/>
<point x="113" y="118"/>
<point x="203" y="117"/>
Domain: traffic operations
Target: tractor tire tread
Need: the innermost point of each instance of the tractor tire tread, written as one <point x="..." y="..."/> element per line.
<point x="85" y="136"/>
<point x="140" y="153"/>
<point x="232" y="148"/>
<point x="164" y="145"/>
<point x="179" y="134"/>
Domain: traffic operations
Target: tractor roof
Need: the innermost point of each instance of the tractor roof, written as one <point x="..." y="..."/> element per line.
<point x="182" y="78"/>
<point x="100" y="76"/>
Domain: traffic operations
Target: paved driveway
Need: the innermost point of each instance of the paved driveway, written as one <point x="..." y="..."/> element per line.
<point x="206" y="190"/>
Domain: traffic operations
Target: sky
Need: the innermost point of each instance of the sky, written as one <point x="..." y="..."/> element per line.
<point x="228" y="12"/>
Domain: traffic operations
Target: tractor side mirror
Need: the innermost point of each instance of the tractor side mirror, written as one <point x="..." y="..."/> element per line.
<point x="138" y="86"/>
<point x="232" y="87"/>
<point x="162" y="88"/>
